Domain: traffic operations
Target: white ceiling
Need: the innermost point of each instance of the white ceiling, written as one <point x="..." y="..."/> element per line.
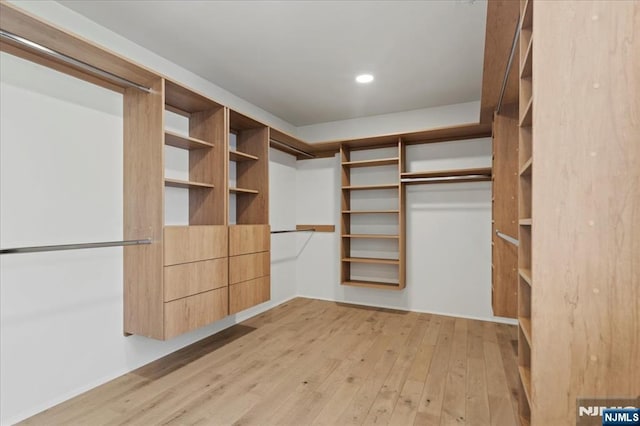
<point x="298" y="59"/>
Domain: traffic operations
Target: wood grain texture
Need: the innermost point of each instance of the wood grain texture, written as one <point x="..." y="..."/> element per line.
<point x="187" y="100"/>
<point x="196" y="277"/>
<point x="586" y="205"/>
<point x="505" y="211"/>
<point x="318" y="363"/>
<point x="502" y="19"/>
<point x="209" y="207"/>
<point x="190" y="313"/>
<point x="143" y="202"/>
<point x="249" y="266"/>
<point x="194" y="243"/>
<point x="249" y="293"/>
<point x="286" y="138"/>
<point x="437" y="134"/>
<point x="253" y="208"/>
<point x="244" y="239"/>
<point x="318" y="228"/>
<point x="19" y="22"/>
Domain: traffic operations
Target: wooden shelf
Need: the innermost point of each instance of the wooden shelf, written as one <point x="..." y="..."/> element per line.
<point x="525" y="376"/>
<point x="525" y="170"/>
<point x="243" y="191"/>
<point x="525" y="325"/>
<point x="372" y="163"/>
<point x="373" y="284"/>
<point x="371" y="260"/>
<point x="369" y="211"/>
<point x="486" y="171"/>
<point x="365" y="187"/>
<point x="525" y="222"/>
<point x="184" y="142"/>
<point x="525" y="121"/>
<point x="241" y="156"/>
<point x="525" y="274"/>
<point x="176" y="183"/>
<point x="372" y="236"/>
<point x="527" y="64"/>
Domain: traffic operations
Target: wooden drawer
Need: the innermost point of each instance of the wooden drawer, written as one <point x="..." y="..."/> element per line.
<point x="192" y="278"/>
<point x="189" y="313"/>
<point x="184" y="244"/>
<point x="244" y="239"/>
<point x="249" y="293"/>
<point x="249" y="266"/>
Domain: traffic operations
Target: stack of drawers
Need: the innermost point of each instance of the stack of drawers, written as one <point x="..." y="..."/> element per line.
<point x="249" y="266"/>
<point x="196" y="285"/>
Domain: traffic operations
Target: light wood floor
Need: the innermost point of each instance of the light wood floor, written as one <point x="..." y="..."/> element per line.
<point x="310" y="362"/>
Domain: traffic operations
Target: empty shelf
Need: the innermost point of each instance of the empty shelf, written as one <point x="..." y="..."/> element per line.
<point x="525" y="222"/>
<point x="525" y="325"/>
<point x="525" y="376"/>
<point x="525" y="274"/>
<point x="184" y="142"/>
<point x="242" y="191"/>
<point x="371" y="260"/>
<point x="484" y="171"/>
<point x="373" y="284"/>
<point x="241" y="156"/>
<point x="526" y="120"/>
<point x="372" y="163"/>
<point x="374" y="236"/>
<point x="369" y="211"/>
<point x="176" y="183"/>
<point x="525" y="170"/>
<point x="386" y="186"/>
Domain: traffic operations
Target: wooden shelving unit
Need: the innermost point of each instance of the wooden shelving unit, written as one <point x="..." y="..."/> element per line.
<point x="350" y="220"/>
<point x="241" y="156"/>
<point x="525" y="175"/>
<point x="184" y="142"/>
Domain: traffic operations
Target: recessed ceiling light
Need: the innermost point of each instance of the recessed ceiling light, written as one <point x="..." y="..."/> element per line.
<point x="364" y="78"/>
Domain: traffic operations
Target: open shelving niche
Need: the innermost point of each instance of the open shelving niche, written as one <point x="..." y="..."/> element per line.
<point x="525" y="219"/>
<point x="371" y="236"/>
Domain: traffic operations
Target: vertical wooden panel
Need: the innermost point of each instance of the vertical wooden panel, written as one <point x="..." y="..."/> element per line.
<point x="143" y="202"/>
<point x="586" y="205"/>
<point x="402" y="207"/>
<point x="209" y="206"/>
<point x="345" y="223"/>
<point x="505" y="211"/>
<point x="253" y="208"/>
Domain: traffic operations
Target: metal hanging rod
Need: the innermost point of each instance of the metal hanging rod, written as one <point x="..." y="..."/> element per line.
<point x="293" y="230"/>
<point x="508" y="238"/>
<point x="68" y="59"/>
<point x="75" y="246"/>
<point x="446" y="179"/>
<point x="305" y="153"/>
<point x="509" y="63"/>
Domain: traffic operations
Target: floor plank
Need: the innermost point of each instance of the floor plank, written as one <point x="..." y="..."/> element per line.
<point x="323" y="363"/>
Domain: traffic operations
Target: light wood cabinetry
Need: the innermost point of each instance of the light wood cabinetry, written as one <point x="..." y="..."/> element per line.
<point x="579" y="284"/>
<point x="360" y="269"/>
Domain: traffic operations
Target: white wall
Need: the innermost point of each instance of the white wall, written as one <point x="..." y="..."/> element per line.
<point x="400" y="122"/>
<point x="61" y="182"/>
<point x="448" y="234"/>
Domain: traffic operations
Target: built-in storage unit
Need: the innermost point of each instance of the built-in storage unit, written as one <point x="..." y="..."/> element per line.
<point x="372" y="229"/>
<point x="525" y="222"/>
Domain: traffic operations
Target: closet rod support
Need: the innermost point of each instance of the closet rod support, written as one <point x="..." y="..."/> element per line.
<point x="293" y="230"/>
<point x="35" y="249"/>
<point x="299" y="151"/>
<point x="72" y="61"/>
<point x="508" y="238"/>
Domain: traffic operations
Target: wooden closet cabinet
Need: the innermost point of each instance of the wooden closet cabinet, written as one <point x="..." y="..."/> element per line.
<point x="194" y="273"/>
